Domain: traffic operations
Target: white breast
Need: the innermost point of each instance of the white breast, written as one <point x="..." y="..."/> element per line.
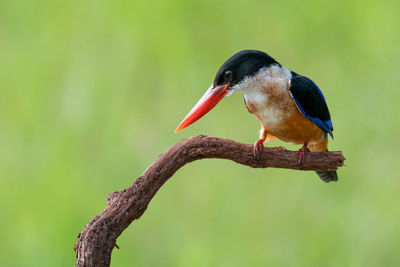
<point x="269" y="114"/>
<point x="267" y="92"/>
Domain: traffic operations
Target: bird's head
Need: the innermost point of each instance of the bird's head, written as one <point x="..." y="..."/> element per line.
<point x="230" y="77"/>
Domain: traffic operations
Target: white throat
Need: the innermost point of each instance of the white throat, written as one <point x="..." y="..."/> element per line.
<point x="267" y="84"/>
<point x="263" y="79"/>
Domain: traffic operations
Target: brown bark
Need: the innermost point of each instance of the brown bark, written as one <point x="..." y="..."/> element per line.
<point x="98" y="237"/>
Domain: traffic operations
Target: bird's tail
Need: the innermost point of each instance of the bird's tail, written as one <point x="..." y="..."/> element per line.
<point x="329" y="176"/>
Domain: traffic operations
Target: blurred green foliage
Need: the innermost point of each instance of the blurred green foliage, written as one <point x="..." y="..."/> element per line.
<point x="91" y="92"/>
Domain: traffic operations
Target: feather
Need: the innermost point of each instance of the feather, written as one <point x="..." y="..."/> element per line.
<point x="311" y="102"/>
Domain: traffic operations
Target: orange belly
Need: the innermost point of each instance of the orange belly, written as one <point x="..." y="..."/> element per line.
<point x="281" y="118"/>
<point x="295" y="128"/>
<point x="298" y="129"/>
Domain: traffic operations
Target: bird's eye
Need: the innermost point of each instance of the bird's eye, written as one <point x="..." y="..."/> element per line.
<point x="228" y="75"/>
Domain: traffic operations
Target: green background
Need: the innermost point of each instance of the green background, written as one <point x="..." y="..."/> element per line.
<point x="91" y="92"/>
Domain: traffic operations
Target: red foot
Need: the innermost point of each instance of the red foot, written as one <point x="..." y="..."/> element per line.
<point x="302" y="154"/>
<point x="258" y="149"/>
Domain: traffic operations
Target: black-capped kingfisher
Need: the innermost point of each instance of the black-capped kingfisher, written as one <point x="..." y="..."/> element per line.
<point x="289" y="106"/>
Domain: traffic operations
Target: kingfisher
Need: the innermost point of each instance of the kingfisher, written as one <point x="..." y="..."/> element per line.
<point x="290" y="107"/>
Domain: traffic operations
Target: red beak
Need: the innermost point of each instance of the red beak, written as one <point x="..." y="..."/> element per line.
<point x="209" y="100"/>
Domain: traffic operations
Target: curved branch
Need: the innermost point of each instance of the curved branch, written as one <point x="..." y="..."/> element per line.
<point x="98" y="237"/>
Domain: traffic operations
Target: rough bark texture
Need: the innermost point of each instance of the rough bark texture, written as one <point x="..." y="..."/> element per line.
<point x="98" y="237"/>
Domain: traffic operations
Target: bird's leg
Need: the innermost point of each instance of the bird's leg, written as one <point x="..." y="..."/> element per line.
<point x="259" y="144"/>
<point x="302" y="153"/>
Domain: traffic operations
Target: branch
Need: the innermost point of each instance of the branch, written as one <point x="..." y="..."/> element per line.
<point x="98" y="237"/>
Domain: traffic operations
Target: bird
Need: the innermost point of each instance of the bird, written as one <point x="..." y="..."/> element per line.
<point x="290" y="106"/>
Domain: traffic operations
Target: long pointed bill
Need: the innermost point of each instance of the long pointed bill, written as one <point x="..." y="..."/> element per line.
<point x="209" y="100"/>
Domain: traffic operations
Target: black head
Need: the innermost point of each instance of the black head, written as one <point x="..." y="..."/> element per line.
<point x="242" y="64"/>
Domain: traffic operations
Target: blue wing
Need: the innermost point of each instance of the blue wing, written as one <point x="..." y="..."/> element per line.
<point x="311" y="102"/>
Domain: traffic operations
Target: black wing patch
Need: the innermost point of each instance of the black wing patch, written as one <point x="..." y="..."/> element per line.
<point x="311" y="102"/>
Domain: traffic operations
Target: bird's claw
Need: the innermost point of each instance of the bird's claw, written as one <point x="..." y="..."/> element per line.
<point x="301" y="158"/>
<point x="258" y="149"/>
<point x="302" y="153"/>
